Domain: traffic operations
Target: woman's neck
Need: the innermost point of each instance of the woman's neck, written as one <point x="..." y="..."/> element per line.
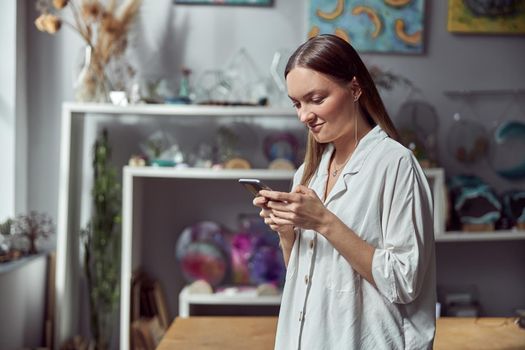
<point x="345" y="146"/>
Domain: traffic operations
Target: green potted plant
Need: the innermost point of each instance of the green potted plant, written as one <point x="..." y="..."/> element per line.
<point x="32" y="227"/>
<point x="101" y="240"/>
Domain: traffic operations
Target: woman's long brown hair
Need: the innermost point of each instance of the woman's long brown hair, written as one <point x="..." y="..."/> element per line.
<point x="334" y="57"/>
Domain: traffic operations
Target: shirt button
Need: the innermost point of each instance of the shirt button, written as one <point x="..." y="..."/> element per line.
<point x="312" y="243"/>
<point x="306" y="279"/>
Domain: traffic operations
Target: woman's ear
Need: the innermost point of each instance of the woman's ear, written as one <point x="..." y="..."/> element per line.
<point x="355" y="89"/>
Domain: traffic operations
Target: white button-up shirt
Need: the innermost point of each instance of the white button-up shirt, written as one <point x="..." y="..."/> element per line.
<point x="383" y="196"/>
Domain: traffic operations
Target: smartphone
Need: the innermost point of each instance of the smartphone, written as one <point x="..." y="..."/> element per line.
<point x="254" y="186"/>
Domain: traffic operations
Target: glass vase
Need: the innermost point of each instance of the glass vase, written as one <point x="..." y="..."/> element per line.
<point x="91" y="84"/>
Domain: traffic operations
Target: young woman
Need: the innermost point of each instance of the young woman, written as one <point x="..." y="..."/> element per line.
<point x="357" y="229"/>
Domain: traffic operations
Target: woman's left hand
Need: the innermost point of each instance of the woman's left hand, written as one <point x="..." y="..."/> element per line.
<point x="301" y="208"/>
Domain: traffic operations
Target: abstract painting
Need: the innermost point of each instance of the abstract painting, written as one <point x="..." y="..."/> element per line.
<point x="388" y="26"/>
<point x="486" y="16"/>
<point x="226" y="2"/>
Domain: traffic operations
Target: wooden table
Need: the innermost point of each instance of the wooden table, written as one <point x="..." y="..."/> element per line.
<point x="218" y="332"/>
<point x="254" y="333"/>
<point x="468" y="333"/>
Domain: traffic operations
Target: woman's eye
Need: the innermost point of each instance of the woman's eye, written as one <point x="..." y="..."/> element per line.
<point x="296" y="104"/>
<point x="318" y="100"/>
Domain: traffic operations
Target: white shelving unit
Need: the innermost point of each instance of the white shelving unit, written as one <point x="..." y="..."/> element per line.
<point x="251" y="297"/>
<point x="71" y="192"/>
<point x="68" y="272"/>
<point x="436" y="177"/>
<point x="459" y="236"/>
<point x="131" y="215"/>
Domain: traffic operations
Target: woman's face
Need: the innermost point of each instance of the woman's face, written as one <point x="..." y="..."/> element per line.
<point x="326" y="107"/>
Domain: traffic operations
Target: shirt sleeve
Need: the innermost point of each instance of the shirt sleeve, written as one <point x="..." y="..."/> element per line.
<point x="399" y="265"/>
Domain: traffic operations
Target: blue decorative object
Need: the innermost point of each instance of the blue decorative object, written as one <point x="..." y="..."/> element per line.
<point x="508" y="150"/>
<point x="474" y="200"/>
<point x="162" y="163"/>
<point x="514" y="206"/>
<point x="281" y="146"/>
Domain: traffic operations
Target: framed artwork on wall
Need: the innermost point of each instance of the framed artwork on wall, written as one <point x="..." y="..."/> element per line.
<point x="388" y="26"/>
<point x="486" y="17"/>
<point x="226" y="2"/>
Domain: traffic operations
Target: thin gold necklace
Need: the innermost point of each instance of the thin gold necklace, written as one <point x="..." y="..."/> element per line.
<point x="335" y="171"/>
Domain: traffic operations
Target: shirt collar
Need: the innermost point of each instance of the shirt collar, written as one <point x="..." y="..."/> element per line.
<point x="366" y="144"/>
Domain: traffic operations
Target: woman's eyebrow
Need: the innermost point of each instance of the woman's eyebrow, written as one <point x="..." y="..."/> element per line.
<point x="305" y="96"/>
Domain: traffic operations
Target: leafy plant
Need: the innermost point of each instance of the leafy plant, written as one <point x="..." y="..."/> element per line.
<point x="5" y="227"/>
<point x="387" y="80"/>
<point x="101" y="240"/>
<point x="5" y="232"/>
<point x="33" y="226"/>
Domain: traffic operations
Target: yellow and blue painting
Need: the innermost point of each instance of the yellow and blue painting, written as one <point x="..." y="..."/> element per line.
<point x="485" y="16"/>
<point x="389" y="26"/>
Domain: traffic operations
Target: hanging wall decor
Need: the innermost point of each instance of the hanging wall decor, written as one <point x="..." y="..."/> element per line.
<point x="486" y="16"/>
<point x="507" y="156"/>
<point x="226" y="2"/>
<point x="379" y="26"/>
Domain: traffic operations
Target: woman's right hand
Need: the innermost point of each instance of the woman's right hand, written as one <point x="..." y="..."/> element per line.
<point x="285" y="231"/>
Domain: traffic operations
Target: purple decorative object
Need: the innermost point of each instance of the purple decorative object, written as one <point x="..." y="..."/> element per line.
<point x="241" y="251"/>
<point x="206" y="251"/>
<point x="266" y="265"/>
<point x="255" y="254"/>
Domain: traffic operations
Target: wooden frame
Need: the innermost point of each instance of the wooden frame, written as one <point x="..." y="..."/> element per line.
<point x="261" y="3"/>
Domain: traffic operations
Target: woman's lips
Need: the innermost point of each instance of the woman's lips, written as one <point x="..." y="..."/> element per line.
<point x="316" y="127"/>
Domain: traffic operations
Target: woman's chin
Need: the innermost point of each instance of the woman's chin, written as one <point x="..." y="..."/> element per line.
<point x="319" y="138"/>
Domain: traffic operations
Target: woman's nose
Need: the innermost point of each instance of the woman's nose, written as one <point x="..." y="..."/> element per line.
<point x="305" y="116"/>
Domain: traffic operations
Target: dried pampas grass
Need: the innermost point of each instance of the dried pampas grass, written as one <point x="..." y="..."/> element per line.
<point x="48" y="23"/>
<point x="60" y="4"/>
<point x="104" y="26"/>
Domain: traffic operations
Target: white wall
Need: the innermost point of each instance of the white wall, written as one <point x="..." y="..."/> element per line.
<point x="462" y="62"/>
<point x="206" y="37"/>
<point x="12" y="111"/>
<point x="7" y="107"/>
<point x="201" y="37"/>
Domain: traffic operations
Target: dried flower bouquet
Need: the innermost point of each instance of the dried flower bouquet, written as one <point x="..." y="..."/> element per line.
<point x="104" y="26"/>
